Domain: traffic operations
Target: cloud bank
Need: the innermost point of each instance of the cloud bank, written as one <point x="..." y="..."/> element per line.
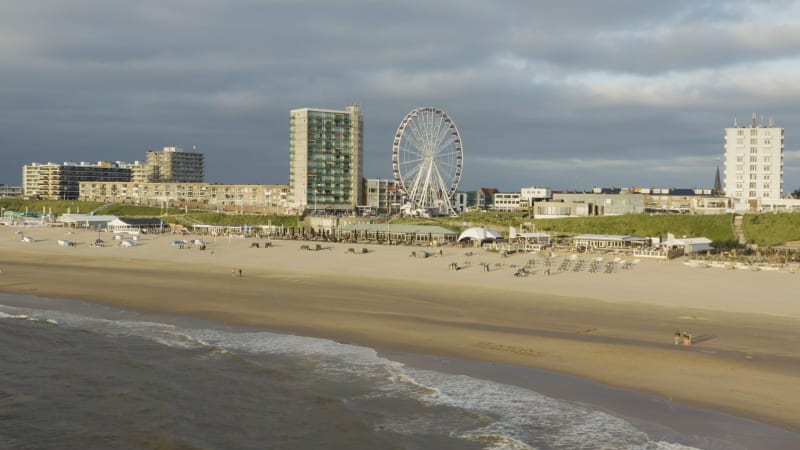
<point x="570" y="94"/>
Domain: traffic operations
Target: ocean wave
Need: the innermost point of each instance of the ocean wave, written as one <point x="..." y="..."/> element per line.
<point x="4" y="315"/>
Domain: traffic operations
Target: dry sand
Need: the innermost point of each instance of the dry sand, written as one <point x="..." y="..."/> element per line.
<point x="614" y="328"/>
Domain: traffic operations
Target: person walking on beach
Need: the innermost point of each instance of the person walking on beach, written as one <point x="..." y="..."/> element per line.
<point x="233" y="272"/>
<point x="240" y="273"/>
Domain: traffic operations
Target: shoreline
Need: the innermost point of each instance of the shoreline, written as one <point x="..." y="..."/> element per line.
<point x="616" y="341"/>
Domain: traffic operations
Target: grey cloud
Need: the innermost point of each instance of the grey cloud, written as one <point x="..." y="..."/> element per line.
<point x="91" y="79"/>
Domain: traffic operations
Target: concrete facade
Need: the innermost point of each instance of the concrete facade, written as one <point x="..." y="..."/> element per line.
<point x="753" y="163"/>
<point x="606" y="204"/>
<point x="252" y="198"/>
<point x="173" y="165"/>
<point x="506" y="201"/>
<point x="62" y="181"/>
<point x="382" y="195"/>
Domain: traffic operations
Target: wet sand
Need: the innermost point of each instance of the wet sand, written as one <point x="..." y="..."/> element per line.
<point x="614" y="328"/>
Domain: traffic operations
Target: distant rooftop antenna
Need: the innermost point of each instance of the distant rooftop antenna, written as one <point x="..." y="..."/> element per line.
<point x="753" y="121"/>
<point x="735" y="122"/>
<point x="771" y="122"/>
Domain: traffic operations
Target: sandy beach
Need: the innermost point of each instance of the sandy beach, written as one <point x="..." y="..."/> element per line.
<point x="615" y="328"/>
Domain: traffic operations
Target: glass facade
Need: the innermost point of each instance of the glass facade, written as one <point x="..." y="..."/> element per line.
<point x="325" y="158"/>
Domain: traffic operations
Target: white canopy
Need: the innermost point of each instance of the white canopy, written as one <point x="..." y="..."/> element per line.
<point x="479" y="234"/>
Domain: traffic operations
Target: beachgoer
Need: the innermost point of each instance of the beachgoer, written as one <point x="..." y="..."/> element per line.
<point x="240" y="273"/>
<point x="233" y="272"/>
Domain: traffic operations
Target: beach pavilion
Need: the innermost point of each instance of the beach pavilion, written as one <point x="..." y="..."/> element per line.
<point x="593" y="242"/>
<point x="689" y="246"/>
<point x="398" y="233"/>
<point x="137" y="225"/>
<point x="86" y="221"/>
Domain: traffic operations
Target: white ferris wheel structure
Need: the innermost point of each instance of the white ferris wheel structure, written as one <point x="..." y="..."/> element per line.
<point x="427" y="159"/>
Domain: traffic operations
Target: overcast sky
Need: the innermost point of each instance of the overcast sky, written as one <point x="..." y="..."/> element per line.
<point x="566" y="94"/>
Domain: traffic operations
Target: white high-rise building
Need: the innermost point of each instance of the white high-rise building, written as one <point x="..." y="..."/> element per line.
<point x="753" y="162"/>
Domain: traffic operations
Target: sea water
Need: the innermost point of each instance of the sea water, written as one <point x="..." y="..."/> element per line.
<point x="76" y="375"/>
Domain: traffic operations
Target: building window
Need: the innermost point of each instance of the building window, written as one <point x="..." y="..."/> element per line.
<point x="739" y="158"/>
<point x="766" y="168"/>
<point x="753" y="176"/>
<point x="753" y="185"/>
<point x="753" y="168"/>
<point x="767" y="141"/>
<point x="740" y="141"/>
<point x="753" y="150"/>
<point x="740" y="132"/>
<point x="754" y="159"/>
<point x="753" y="194"/>
<point x="753" y="141"/>
<point x="766" y="159"/>
<point x="766" y="186"/>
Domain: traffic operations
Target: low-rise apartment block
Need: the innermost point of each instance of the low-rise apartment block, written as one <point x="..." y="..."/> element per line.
<point x="62" y="181"/>
<point x="244" y="198"/>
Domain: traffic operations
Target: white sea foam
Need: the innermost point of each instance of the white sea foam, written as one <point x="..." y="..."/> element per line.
<point x="27" y="317"/>
<point x="12" y="316"/>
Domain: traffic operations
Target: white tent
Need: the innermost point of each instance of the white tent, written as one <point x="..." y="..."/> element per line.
<point x="479" y="234"/>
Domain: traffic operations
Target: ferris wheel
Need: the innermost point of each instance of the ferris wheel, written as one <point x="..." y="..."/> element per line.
<point x="427" y="158"/>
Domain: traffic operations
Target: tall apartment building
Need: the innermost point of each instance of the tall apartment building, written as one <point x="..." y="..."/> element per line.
<point x="753" y="162"/>
<point x="173" y="165"/>
<point x="326" y="158"/>
<point x="62" y="181"/>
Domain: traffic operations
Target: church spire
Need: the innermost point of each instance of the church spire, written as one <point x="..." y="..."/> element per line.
<point x="717" y="182"/>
